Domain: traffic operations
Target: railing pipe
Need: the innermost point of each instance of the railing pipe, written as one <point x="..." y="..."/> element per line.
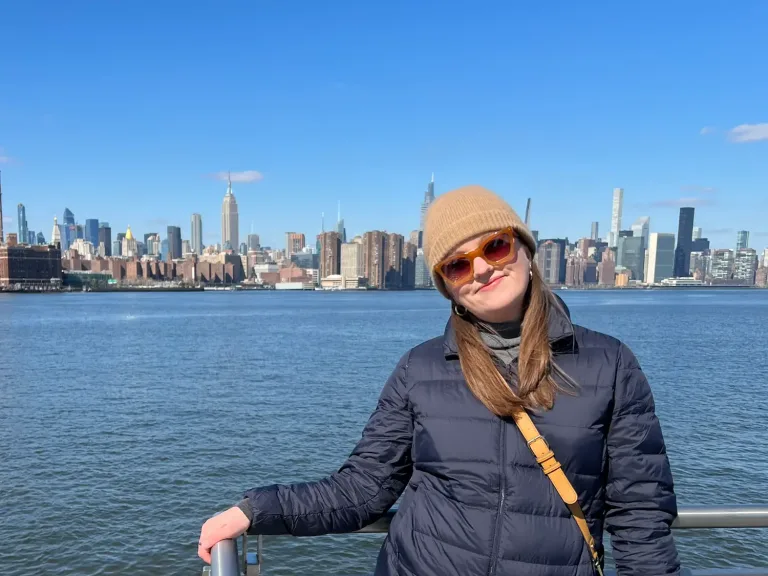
<point x="689" y="517"/>
<point x="700" y="517"/>
<point x="224" y="560"/>
<point x="224" y="557"/>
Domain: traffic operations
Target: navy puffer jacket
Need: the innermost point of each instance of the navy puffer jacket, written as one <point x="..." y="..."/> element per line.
<point x="475" y="502"/>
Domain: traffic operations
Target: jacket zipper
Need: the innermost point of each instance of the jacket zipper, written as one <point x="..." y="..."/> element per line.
<point x="502" y="495"/>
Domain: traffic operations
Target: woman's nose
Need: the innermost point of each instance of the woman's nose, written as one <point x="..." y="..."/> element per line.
<point x="481" y="267"/>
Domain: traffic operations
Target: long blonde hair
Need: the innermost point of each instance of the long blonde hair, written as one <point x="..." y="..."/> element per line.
<point x="536" y="386"/>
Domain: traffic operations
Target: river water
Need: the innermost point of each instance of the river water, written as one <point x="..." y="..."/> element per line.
<point x="127" y="419"/>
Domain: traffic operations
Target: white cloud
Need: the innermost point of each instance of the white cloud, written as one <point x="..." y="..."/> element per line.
<point x="3" y="158"/>
<point x="244" y="176"/>
<point x="707" y="130"/>
<point x="678" y="202"/>
<point x="7" y="220"/>
<point x="749" y="133"/>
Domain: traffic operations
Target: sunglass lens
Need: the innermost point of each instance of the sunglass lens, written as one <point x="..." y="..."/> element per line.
<point x="458" y="269"/>
<point x="498" y="248"/>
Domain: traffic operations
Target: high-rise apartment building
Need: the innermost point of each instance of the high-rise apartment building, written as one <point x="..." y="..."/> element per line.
<point x="684" y="243"/>
<point x="352" y="260"/>
<point x="661" y="257"/>
<point x="393" y="277"/>
<point x="330" y="253"/>
<point x="550" y="258"/>
<point x="618" y="203"/>
<point x="374" y="258"/>
<point x="606" y="269"/>
<point x="254" y="242"/>
<point x="409" y="265"/>
<point x="742" y="239"/>
<point x="745" y="266"/>
<point x="295" y="242"/>
<point x="230" y="238"/>
<point x="595" y="231"/>
<point x="196" y="234"/>
<point x="722" y="264"/>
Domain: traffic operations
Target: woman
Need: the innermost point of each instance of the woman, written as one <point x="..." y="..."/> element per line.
<point x="450" y="432"/>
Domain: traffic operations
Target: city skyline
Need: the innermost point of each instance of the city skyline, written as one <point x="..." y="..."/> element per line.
<point x="603" y="100"/>
<point x="230" y="223"/>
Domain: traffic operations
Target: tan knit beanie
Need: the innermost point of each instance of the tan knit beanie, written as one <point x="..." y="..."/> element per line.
<point x="461" y="214"/>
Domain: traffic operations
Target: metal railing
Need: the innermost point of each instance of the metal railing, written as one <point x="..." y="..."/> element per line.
<point x="225" y="560"/>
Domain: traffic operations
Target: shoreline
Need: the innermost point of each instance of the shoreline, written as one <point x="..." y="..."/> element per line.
<point x="558" y="288"/>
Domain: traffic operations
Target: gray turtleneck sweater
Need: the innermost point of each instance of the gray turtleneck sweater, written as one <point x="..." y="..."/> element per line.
<point x="503" y="340"/>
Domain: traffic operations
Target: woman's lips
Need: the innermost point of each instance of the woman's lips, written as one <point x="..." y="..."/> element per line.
<point x="491" y="284"/>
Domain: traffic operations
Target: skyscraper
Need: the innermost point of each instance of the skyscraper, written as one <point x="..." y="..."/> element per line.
<point x="23" y="231"/>
<point x="92" y="232"/>
<point x="374" y="253"/>
<point x="230" y="238"/>
<point x="340" y="227"/>
<point x="69" y="231"/>
<point x="429" y="197"/>
<point x="697" y="233"/>
<point x="595" y="235"/>
<point x="631" y="255"/>
<point x="618" y="203"/>
<point x="330" y="253"/>
<point x="642" y="228"/>
<point x="661" y="257"/>
<point x="742" y="240"/>
<point x="174" y="242"/>
<point x="550" y="258"/>
<point x="196" y="242"/>
<point x="682" y="267"/>
<point x="105" y="237"/>
<point x="294" y="243"/>
<point x="56" y="233"/>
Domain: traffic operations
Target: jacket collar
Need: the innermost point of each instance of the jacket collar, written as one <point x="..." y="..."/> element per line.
<point x="561" y="338"/>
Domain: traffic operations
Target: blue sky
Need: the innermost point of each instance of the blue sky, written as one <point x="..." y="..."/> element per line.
<point x="124" y="111"/>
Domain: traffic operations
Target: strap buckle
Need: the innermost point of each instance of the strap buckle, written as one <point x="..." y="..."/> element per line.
<point x="596" y="562"/>
<point x="539" y="437"/>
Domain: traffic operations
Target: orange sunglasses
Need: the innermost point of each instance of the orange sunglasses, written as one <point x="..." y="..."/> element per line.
<point x="498" y="248"/>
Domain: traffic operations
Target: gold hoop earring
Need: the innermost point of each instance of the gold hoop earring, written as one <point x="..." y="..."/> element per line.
<point x="459" y="310"/>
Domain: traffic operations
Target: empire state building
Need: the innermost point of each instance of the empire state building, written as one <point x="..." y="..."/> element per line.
<point x="230" y="239"/>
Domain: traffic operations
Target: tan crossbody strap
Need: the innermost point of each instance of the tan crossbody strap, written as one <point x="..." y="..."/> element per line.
<point x="554" y="471"/>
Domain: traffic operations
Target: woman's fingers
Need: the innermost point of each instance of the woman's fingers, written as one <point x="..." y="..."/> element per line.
<point x="204" y="553"/>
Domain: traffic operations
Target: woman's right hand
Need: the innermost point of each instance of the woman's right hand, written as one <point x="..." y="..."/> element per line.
<point x="225" y="526"/>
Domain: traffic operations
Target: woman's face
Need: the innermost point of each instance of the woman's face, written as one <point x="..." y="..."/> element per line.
<point x="491" y="282"/>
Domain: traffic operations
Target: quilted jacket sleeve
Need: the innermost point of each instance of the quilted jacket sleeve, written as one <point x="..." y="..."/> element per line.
<point x="361" y="491"/>
<point x="640" y="496"/>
